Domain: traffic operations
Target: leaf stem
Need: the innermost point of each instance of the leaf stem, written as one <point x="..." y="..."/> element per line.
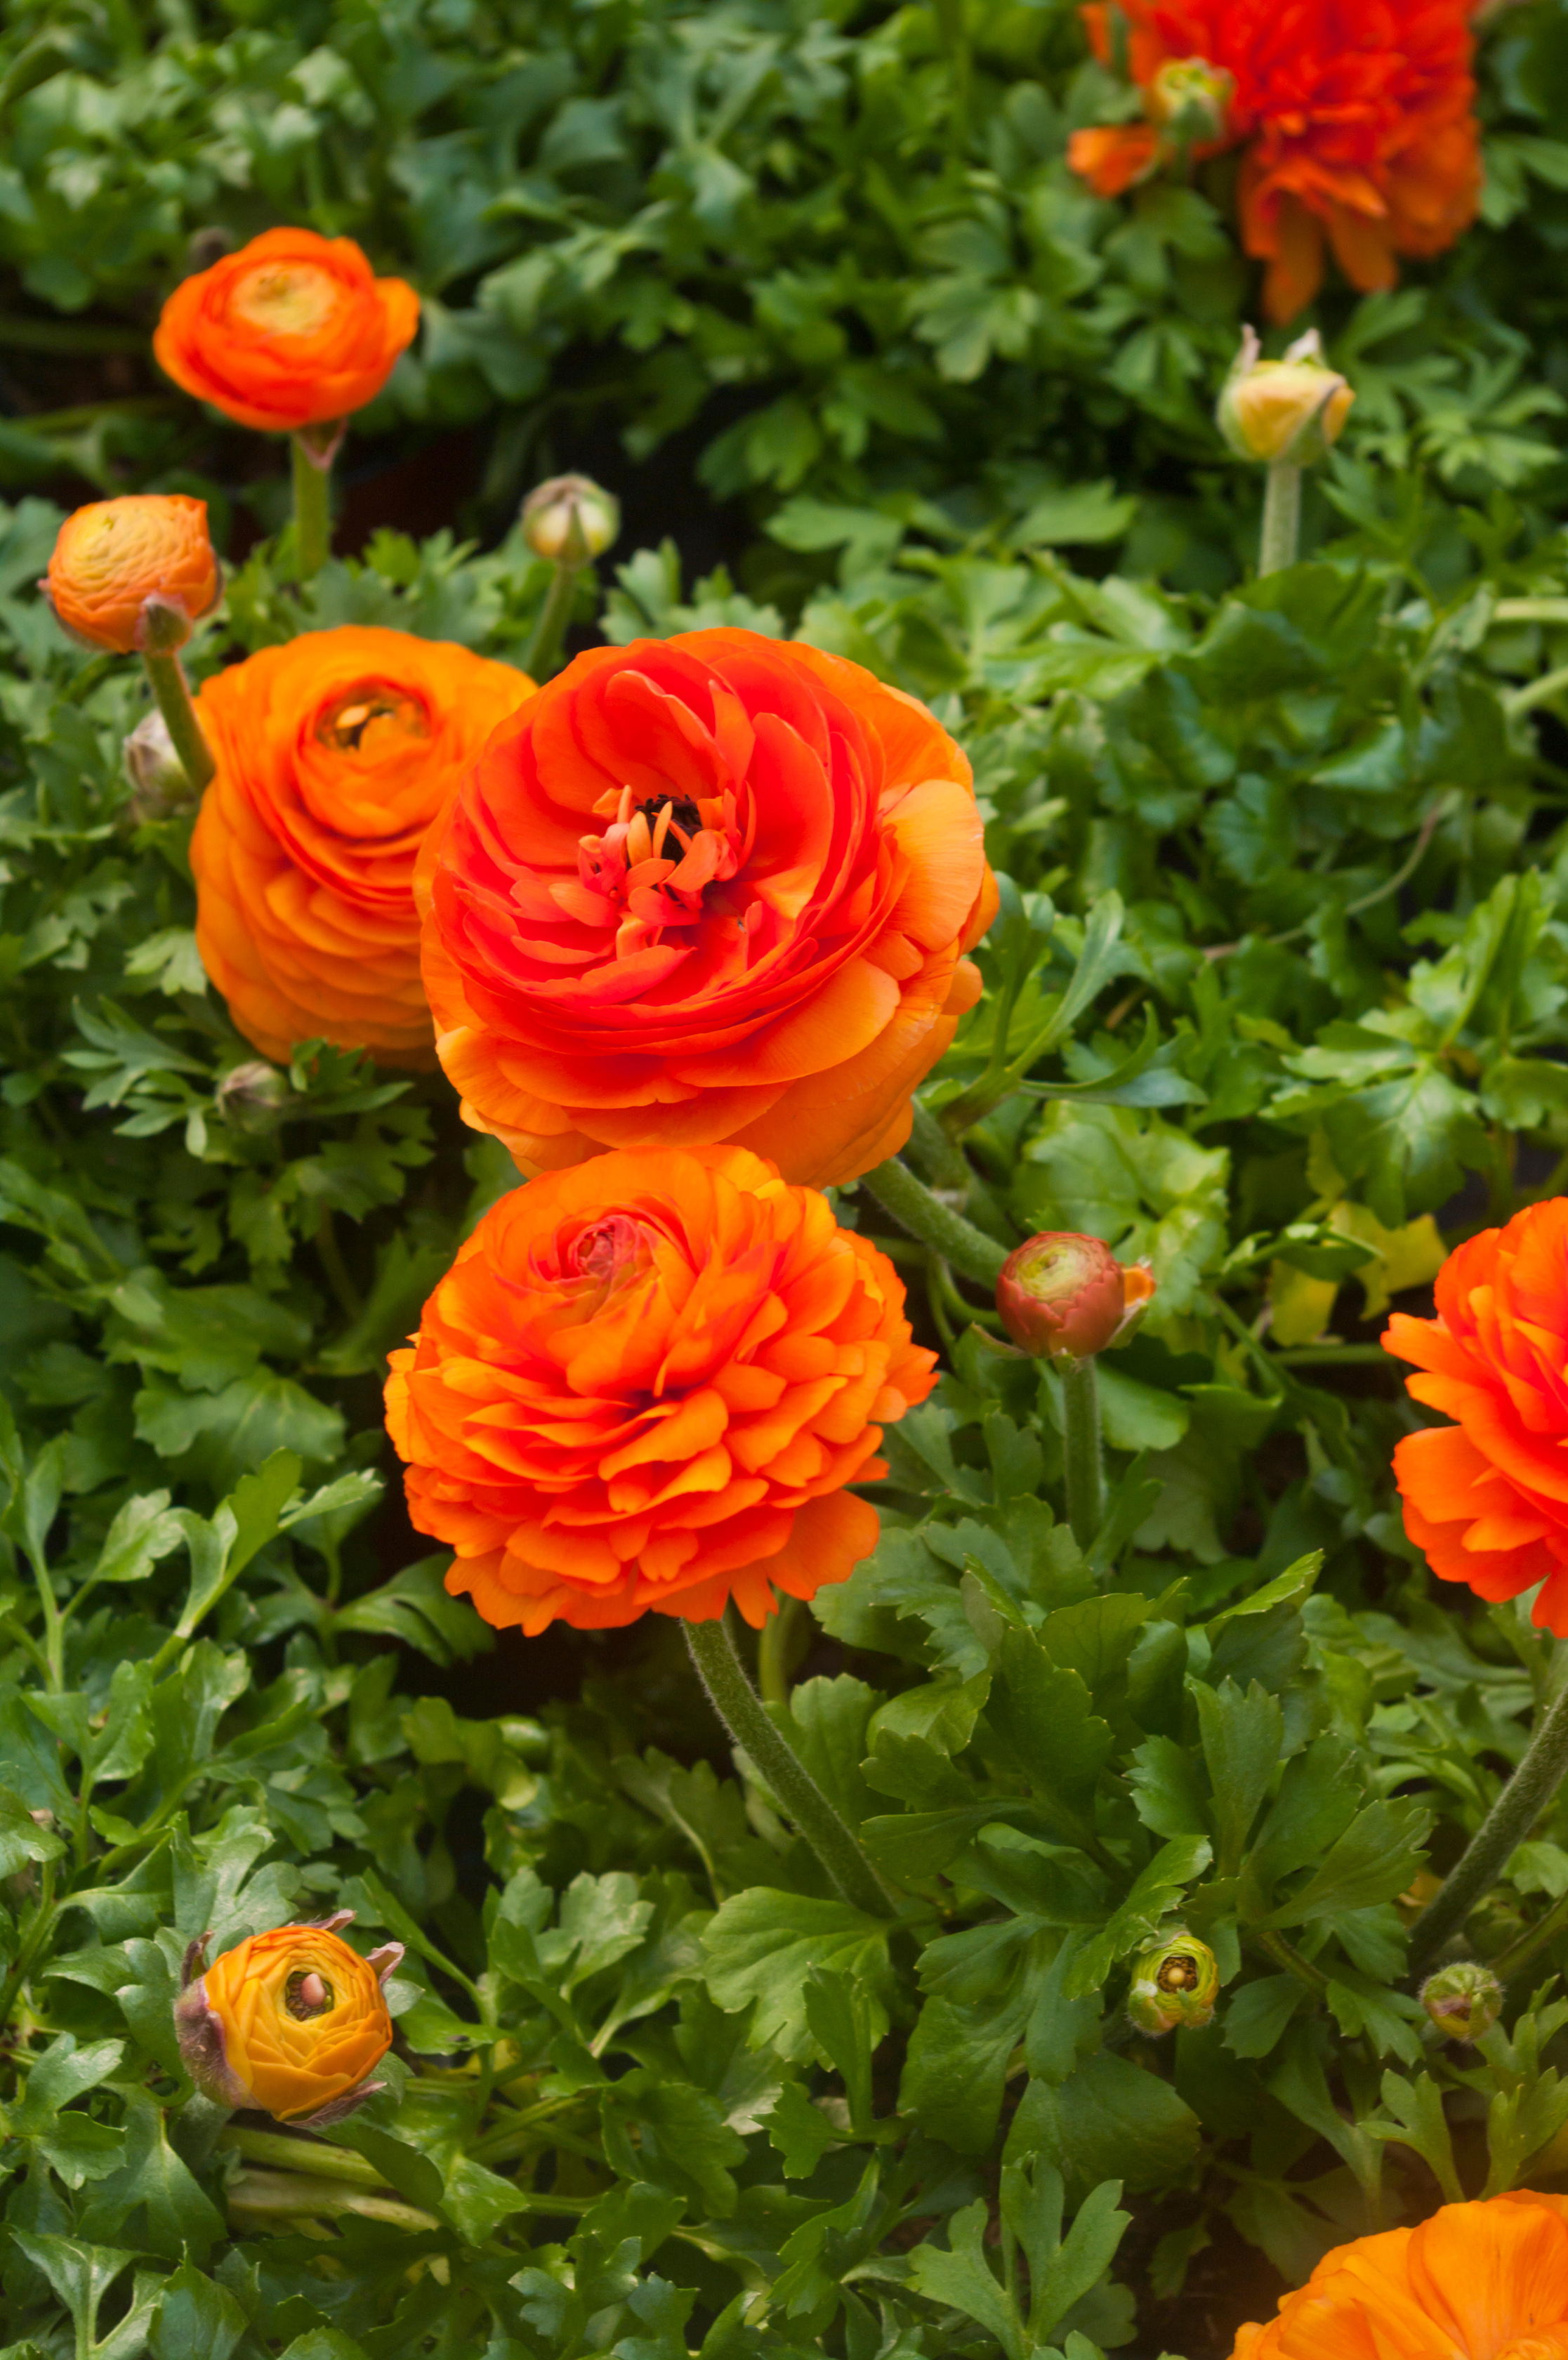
<point x="1081" y="1441"/>
<point x="741" y="1709"/>
<point x="336" y="1268"/>
<point x="1507" y="1823"/>
<point x="1282" y="518"/>
<point x="925" y="1217"/>
<point x="173" y="692"/>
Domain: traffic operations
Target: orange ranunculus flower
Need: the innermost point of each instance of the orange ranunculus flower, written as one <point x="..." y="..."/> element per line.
<point x="645" y="1383"/>
<point x="334" y="754"/>
<point x="292" y="2021"/>
<point x="112" y="556"/>
<point x="1356" y="119"/>
<point x="1487" y="1498"/>
<point x="1482" y="2281"/>
<point x="716" y="887"/>
<point x="294" y="330"/>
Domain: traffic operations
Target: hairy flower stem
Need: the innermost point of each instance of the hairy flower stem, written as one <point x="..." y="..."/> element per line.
<point x="1282" y="517"/>
<point x="172" y="691"/>
<point x="543" y="657"/>
<point x="313" y="510"/>
<point x="786" y="1777"/>
<point x="1504" y="1828"/>
<point x="925" y="1217"/>
<point x="1081" y="1446"/>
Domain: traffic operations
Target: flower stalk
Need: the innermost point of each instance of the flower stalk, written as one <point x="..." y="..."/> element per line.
<point x="742" y="1712"/>
<point x="314" y="449"/>
<point x="1502" y="1830"/>
<point x="165" y="628"/>
<point x="1085" y="1469"/>
<point x="1282" y="517"/>
<point x="915" y="1208"/>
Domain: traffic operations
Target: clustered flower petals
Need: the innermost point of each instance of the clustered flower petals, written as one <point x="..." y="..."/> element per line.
<point x="1487" y="1498"/>
<point x="292" y="2021"/>
<point x="1356" y="119"/>
<point x="335" y="753"/>
<point x="1482" y="2281"/>
<point x="293" y="329"/>
<point x="712" y="888"/>
<point x="643" y="1385"/>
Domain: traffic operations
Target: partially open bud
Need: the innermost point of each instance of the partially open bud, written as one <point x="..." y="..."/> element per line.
<point x="252" y="1097"/>
<point x="570" y="519"/>
<point x="1190" y="99"/>
<point x="1174" y="1986"/>
<point x="291" y="2022"/>
<point x="1290" y="410"/>
<point x="156" y="772"/>
<point x="1463" y="2001"/>
<point x="1065" y="1296"/>
<point x="134" y="574"/>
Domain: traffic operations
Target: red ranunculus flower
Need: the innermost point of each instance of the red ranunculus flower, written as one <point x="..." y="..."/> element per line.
<point x="1355" y="118"/>
<point x="717" y="887"/>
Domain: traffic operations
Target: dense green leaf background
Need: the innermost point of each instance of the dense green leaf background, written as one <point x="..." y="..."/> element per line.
<point x="1278" y="997"/>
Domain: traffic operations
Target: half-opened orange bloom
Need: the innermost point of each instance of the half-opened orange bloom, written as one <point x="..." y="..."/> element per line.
<point x="1355" y="118"/>
<point x="112" y="556"/>
<point x="335" y="753"/>
<point x="1487" y="1498"/>
<point x="1484" y="2281"/>
<point x="292" y="331"/>
<point x="716" y="887"/>
<point x="645" y="1384"/>
<point x="292" y="2021"/>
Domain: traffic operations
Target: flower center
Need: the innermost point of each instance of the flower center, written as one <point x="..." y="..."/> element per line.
<point x="612" y="1252"/>
<point x="1178" y="1974"/>
<point x="307" y="1994"/>
<point x="366" y="717"/>
<point x="650" y="868"/>
<point x="286" y="299"/>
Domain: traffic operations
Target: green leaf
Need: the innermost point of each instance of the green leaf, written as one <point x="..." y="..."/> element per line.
<point x="1243" y="1735"/>
<point x="961" y="2279"/>
<point x="1376" y="1858"/>
<point x="194" y="2315"/>
<point x="1043" y="1730"/>
<point x="762" y="1945"/>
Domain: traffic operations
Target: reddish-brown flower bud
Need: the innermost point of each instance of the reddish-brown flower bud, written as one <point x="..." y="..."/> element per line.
<point x="1066" y="1296"/>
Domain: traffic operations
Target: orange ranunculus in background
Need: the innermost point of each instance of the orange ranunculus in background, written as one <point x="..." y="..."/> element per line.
<point x="292" y="2021"/>
<point x="1487" y="1498"/>
<point x="112" y="556"/>
<point x="716" y="887"/>
<point x="645" y="1384"/>
<point x="294" y="330"/>
<point x="334" y="754"/>
<point x="1482" y="2281"/>
<point x="1356" y="119"/>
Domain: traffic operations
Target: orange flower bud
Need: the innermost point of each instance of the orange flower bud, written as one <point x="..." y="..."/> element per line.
<point x="134" y="572"/>
<point x="1066" y="1296"/>
<point x="291" y="2022"/>
<point x="1291" y="409"/>
<point x="292" y="331"/>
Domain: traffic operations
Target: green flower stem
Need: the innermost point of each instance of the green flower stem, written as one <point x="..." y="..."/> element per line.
<point x="257" y="2196"/>
<point x="1282" y="517"/>
<point x="172" y="691"/>
<point x="925" y="1217"/>
<point x="544" y="648"/>
<point x="288" y="2154"/>
<point x="1504" y="1828"/>
<point x="312" y="511"/>
<point x="1081" y="1444"/>
<point x="786" y="1777"/>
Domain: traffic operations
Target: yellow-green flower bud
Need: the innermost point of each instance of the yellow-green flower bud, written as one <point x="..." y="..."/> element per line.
<point x="1191" y="100"/>
<point x="254" y="1097"/>
<point x="570" y="519"/>
<point x="1290" y="410"/>
<point x="1174" y="1986"/>
<point x="1463" y="2001"/>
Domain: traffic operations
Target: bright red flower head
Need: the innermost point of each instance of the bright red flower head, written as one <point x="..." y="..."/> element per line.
<point x="1357" y="118"/>
<point x="1486" y="1499"/>
<point x="716" y="887"/>
<point x="643" y="1385"/>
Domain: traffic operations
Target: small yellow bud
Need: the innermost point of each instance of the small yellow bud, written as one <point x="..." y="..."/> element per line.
<point x="1290" y="410"/>
<point x="1191" y="100"/>
<point x="1175" y="1986"/>
<point x="570" y="519"/>
<point x="1463" y="2001"/>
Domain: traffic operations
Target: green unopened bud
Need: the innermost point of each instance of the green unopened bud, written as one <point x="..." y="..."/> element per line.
<point x="253" y="1097"/>
<point x="1191" y="100"/>
<point x="1174" y="1986"/>
<point x="570" y="519"/>
<point x="1463" y="2001"/>
<point x="1290" y="410"/>
<point x="156" y="772"/>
